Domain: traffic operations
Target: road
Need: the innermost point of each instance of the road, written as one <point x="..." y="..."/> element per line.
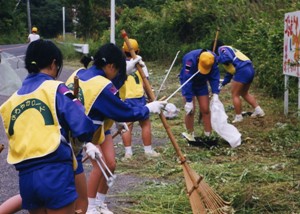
<point x="17" y="50"/>
<point x="9" y="176"/>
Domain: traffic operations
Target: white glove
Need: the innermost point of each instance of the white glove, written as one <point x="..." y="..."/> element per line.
<point x="215" y="97"/>
<point x="130" y="65"/>
<point x="156" y="106"/>
<point x="122" y="126"/>
<point x="142" y="63"/>
<point x="188" y="107"/>
<point x="92" y="150"/>
<point x="220" y="86"/>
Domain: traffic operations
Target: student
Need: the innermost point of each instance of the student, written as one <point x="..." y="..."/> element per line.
<point x="204" y="62"/>
<point x="132" y="92"/>
<point x="239" y="68"/>
<point x="33" y="36"/>
<point x="37" y="119"/>
<point x="98" y="94"/>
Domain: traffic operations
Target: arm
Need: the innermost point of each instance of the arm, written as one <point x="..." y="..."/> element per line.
<point x="185" y="74"/>
<point x="214" y="79"/>
<point x="227" y="78"/>
<point x="112" y="107"/>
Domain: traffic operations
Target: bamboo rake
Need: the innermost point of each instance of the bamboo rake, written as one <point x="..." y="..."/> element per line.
<point x="1" y="147"/>
<point x="207" y="201"/>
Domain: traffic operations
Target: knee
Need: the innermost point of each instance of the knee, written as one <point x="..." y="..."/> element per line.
<point x="111" y="165"/>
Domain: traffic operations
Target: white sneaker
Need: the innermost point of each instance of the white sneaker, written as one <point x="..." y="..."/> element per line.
<point x="188" y="136"/>
<point x="237" y="119"/>
<point x="152" y="154"/>
<point x="103" y="209"/>
<point x="127" y="156"/>
<point x="260" y="113"/>
<point x="93" y="211"/>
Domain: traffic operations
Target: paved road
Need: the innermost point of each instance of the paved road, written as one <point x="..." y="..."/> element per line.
<point x="17" y="50"/>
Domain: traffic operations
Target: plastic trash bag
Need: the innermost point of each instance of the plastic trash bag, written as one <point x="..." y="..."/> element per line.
<point x="170" y="111"/>
<point x="219" y="124"/>
<point x="11" y="78"/>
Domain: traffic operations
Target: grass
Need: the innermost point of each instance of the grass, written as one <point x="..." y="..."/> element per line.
<point x="260" y="176"/>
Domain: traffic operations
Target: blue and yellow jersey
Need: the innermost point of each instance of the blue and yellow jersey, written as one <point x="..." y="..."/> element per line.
<point x="233" y="61"/>
<point x="189" y="67"/>
<point x="24" y="143"/>
<point x="38" y="118"/>
<point x="133" y="87"/>
<point x="98" y="95"/>
<point x="232" y="58"/>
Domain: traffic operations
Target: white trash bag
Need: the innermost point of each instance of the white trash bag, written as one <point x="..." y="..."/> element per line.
<point x="219" y="124"/>
<point x="170" y="111"/>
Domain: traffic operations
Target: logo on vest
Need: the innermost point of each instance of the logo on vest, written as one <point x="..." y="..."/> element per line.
<point x="29" y="104"/>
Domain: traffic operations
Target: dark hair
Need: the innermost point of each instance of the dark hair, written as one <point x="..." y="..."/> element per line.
<point x="128" y="54"/>
<point x="108" y="54"/>
<point x="219" y="43"/>
<point x="40" y="54"/>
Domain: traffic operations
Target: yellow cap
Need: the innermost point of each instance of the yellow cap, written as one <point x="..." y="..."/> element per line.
<point x="206" y="61"/>
<point x="134" y="44"/>
<point x="34" y="29"/>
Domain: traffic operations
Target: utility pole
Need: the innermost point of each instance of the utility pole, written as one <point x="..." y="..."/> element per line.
<point x="112" y="22"/>
<point x="28" y="16"/>
<point x="64" y="23"/>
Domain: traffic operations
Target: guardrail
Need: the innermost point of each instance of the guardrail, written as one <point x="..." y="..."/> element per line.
<point x="81" y="48"/>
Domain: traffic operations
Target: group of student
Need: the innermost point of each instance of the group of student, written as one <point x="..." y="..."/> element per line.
<point x="239" y="69"/>
<point x="44" y="116"/>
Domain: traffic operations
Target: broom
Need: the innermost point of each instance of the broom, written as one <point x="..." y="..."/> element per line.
<point x="204" y="199"/>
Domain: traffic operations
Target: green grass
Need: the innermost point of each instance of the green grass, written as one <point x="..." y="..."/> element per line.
<point x="260" y="176"/>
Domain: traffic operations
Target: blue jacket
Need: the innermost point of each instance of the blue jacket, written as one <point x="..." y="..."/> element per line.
<point x="189" y="67"/>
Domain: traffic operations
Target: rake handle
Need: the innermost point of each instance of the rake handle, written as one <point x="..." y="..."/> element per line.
<point x="149" y="92"/>
<point x="161" y="115"/>
<point x="216" y="38"/>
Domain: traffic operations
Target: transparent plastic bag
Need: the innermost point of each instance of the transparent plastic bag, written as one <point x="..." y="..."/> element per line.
<point x="220" y="125"/>
<point x="12" y="73"/>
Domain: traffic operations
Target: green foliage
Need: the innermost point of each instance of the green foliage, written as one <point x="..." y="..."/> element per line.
<point x="162" y="27"/>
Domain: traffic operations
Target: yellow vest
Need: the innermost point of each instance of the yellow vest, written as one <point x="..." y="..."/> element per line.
<point x="31" y="123"/>
<point x="238" y="54"/>
<point x="133" y="87"/>
<point x="88" y="93"/>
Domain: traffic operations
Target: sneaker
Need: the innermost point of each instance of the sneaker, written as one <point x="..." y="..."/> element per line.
<point x="103" y="209"/>
<point x="237" y="119"/>
<point x="260" y="113"/>
<point x="127" y="156"/>
<point x="93" y="211"/>
<point x="188" y="136"/>
<point x="152" y="154"/>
